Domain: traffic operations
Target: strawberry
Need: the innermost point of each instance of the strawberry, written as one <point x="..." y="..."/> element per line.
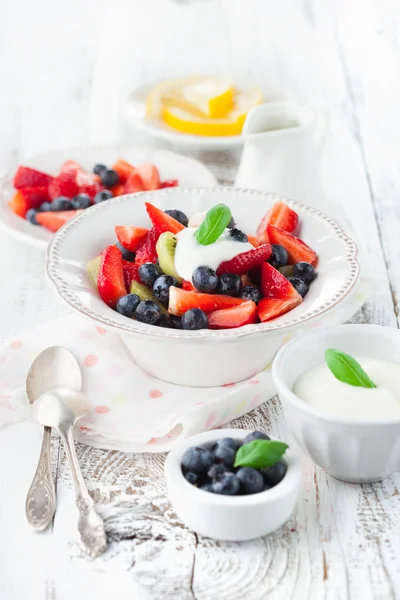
<point x="269" y="308"/>
<point x="189" y="287"/>
<point x="253" y="239"/>
<point x="64" y="185"/>
<point x="118" y="190"/>
<point x="245" y="280"/>
<point x="70" y="166"/>
<point x="55" y="220"/>
<point x="88" y="183"/>
<point x="169" y="183"/>
<point x="274" y="284"/>
<point x="28" y="198"/>
<point x="297" y="249"/>
<point x="134" y="183"/>
<point x="146" y="251"/>
<point x="124" y="169"/>
<point x="150" y="176"/>
<point x="182" y="300"/>
<point x="161" y="221"/>
<point x="31" y="178"/>
<point x="280" y="215"/>
<point x="243" y="314"/>
<point x="110" y="281"/>
<point x="130" y="237"/>
<point x="245" y="261"/>
<point x="131" y="273"/>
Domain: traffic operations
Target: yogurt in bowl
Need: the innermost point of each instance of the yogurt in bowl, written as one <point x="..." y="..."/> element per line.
<point x="352" y="432"/>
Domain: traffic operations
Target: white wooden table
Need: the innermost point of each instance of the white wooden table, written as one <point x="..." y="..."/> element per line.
<point x="68" y="69"/>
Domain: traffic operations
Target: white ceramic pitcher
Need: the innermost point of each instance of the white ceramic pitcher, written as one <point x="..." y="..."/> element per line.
<point x="283" y="142"/>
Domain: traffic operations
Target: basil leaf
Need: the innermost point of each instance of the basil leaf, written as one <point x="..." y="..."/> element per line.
<point x="346" y="369"/>
<point x="214" y="224"/>
<point x="259" y="454"/>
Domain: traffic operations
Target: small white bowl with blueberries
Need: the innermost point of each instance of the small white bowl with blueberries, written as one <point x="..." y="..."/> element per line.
<point x="233" y="484"/>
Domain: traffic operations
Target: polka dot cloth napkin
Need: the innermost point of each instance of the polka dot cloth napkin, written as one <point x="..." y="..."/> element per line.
<point x="130" y="410"/>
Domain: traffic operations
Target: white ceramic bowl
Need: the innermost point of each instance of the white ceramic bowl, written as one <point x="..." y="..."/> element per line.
<point x="230" y="518"/>
<point x="355" y="450"/>
<point x="199" y="358"/>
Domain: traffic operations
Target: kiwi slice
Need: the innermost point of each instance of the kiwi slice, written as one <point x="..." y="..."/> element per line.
<point x="93" y="268"/>
<point x="145" y="294"/>
<point x="165" y="248"/>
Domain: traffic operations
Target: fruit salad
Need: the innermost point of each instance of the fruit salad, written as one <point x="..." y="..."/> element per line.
<point x="236" y="468"/>
<point x="206" y="272"/>
<point x="51" y="201"/>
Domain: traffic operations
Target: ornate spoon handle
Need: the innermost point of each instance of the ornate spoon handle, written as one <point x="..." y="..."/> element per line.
<point x="41" y="499"/>
<point x="90" y="525"/>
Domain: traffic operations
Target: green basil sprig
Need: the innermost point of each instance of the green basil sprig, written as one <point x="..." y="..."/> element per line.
<point x="260" y="454"/>
<point x="346" y="369"/>
<point x="214" y="224"/>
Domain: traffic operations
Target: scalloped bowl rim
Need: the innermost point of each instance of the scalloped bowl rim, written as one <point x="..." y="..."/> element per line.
<point x="136" y="328"/>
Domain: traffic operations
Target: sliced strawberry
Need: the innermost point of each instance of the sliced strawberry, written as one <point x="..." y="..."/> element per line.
<point x="64" y="185"/>
<point x="246" y="260"/>
<point x="134" y="183"/>
<point x="28" y="198"/>
<point x="88" y="183"/>
<point x="31" y="178"/>
<point x="182" y="300"/>
<point x="245" y="280"/>
<point x="55" y="220"/>
<point x="253" y="239"/>
<point x="189" y="287"/>
<point x="146" y="251"/>
<point x="118" y="190"/>
<point x="297" y="249"/>
<point x="269" y="308"/>
<point x="131" y="273"/>
<point x="280" y="215"/>
<point x="169" y="183"/>
<point x="110" y="281"/>
<point x="161" y="221"/>
<point x="243" y="314"/>
<point x="274" y="284"/>
<point x="130" y="237"/>
<point x="150" y="176"/>
<point x="123" y="168"/>
<point x="70" y="166"/>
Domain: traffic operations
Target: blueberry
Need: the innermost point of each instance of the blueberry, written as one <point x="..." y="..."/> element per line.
<point x="255" y="435"/>
<point x="127" y="305"/>
<point x="251" y="480"/>
<point x="299" y="285"/>
<point x="45" y="207"/>
<point x="161" y="287"/>
<point x="273" y="475"/>
<point x="205" y="279"/>
<point x="230" y="442"/>
<point x="191" y="477"/>
<point x="126" y="254"/>
<point x="207" y="487"/>
<point x="103" y="195"/>
<point x="148" y="273"/>
<point x="229" y="485"/>
<point x="304" y="271"/>
<point x="178" y="215"/>
<point x="216" y="471"/>
<point x="99" y="168"/>
<point x="224" y="454"/>
<point x="250" y="292"/>
<point x="197" y="459"/>
<point x="148" y="312"/>
<point x="81" y="201"/>
<point x="279" y="256"/>
<point x="31" y="216"/>
<point x="61" y="203"/>
<point x="176" y="321"/>
<point x="231" y="223"/>
<point x="165" y="321"/>
<point x="109" y="177"/>
<point x="229" y="284"/>
<point x="238" y="235"/>
<point x="194" y="318"/>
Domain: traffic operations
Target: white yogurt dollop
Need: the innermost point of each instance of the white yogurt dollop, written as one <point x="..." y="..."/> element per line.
<point x="321" y="389"/>
<point x="189" y="254"/>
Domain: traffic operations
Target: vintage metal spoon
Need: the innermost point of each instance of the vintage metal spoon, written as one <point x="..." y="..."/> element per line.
<point x="54" y="366"/>
<point x="61" y="407"/>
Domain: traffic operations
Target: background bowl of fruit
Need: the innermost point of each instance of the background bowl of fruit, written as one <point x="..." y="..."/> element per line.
<point x="203" y="285"/>
<point x="48" y="190"/>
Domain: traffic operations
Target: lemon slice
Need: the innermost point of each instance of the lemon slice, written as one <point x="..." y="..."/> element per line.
<point x="213" y="97"/>
<point x="168" y="93"/>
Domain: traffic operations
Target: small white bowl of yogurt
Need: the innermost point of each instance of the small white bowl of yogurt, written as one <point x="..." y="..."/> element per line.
<point x="352" y="432"/>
